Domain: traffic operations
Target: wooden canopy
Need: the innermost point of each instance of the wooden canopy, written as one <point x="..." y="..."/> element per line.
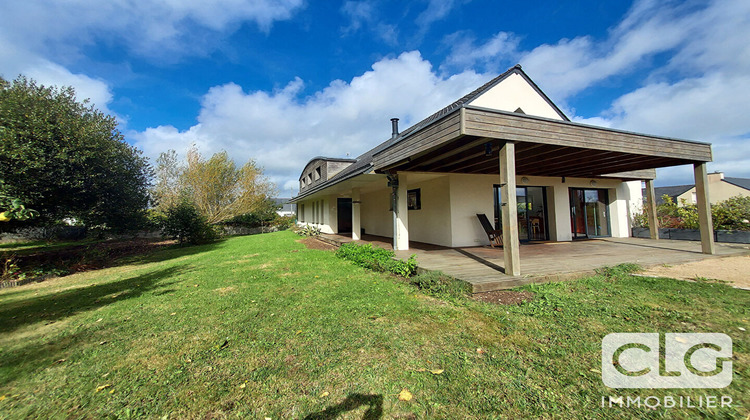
<point x="459" y="144"/>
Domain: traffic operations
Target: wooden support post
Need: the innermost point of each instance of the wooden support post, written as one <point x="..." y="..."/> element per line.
<point x="704" y="208"/>
<point x="653" y="222"/>
<point x="356" y="224"/>
<point x="511" y="243"/>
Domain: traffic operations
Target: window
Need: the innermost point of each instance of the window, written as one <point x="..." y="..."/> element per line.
<point x="301" y="183"/>
<point x="414" y="199"/>
<point x="309" y="179"/>
<point x="317" y="174"/>
<point x="301" y="212"/>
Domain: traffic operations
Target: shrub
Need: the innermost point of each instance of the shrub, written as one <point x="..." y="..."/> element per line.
<point x="377" y="259"/>
<point x="307" y="230"/>
<point x="284" y="222"/>
<point x="184" y="223"/>
<point x="730" y="214"/>
<point x="440" y="284"/>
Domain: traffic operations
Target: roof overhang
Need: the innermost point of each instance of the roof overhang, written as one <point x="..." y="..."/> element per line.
<point x="364" y="181"/>
<point x="457" y="143"/>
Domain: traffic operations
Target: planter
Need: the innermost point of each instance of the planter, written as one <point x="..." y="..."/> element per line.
<point x="727" y="236"/>
<point x="685" y="234"/>
<point x="733" y="236"/>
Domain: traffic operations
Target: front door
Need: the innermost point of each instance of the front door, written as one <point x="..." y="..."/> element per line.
<point x="589" y="213"/>
<point x="344" y="214"/>
<point x="532" y="213"/>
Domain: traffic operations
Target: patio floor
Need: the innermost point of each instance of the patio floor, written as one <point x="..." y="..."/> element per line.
<point x="482" y="267"/>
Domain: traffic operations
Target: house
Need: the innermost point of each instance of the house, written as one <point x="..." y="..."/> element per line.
<point x="721" y="188"/>
<point x="285" y="207"/>
<point x="504" y="150"/>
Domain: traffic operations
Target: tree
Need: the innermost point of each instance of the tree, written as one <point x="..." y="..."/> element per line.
<point x="67" y="159"/>
<point x="12" y="208"/>
<point x="218" y="188"/>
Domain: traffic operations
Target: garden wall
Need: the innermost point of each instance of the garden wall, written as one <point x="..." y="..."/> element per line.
<point x="728" y="236"/>
<point x="73" y="233"/>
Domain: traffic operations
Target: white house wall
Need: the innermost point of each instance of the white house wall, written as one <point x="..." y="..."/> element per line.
<point x="450" y="203"/>
<point x="515" y="92"/>
<point x="432" y="223"/>
<point x="317" y="212"/>
<point x="375" y="214"/>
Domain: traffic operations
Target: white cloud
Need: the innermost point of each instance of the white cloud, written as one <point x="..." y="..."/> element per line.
<point x="283" y="131"/>
<point x="363" y="15"/>
<point x="436" y="10"/>
<point x="156" y="28"/>
<point x="42" y="38"/>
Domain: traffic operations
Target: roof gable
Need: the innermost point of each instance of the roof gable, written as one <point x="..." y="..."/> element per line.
<point x="514" y="91"/>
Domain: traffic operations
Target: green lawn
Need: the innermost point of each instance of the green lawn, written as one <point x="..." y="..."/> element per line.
<point x="259" y="326"/>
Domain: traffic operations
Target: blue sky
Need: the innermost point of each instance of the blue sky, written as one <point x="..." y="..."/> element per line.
<point x="282" y="81"/>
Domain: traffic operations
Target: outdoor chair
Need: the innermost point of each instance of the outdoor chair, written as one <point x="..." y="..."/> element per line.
<point x="495" y="236"/>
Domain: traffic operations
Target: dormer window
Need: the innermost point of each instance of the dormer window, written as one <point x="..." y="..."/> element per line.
<point x="317" y="173"/>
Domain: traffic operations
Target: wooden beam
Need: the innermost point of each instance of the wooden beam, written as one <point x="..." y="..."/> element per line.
<point x="507" y="126"/>
<point x="511" y="244"/>
<point x="653" y="221"/>
<point x="442" y="154"/>
<point x="704" y="208"/>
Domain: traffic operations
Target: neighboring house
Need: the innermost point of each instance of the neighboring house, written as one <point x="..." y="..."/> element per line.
<point x="720" y="188"/>
<point x="287" y="208"/>
<point x="505" y="142"/>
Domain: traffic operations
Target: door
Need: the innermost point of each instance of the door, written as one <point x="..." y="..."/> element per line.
<point x="532" y="213"/>
<point x="344" y="214"/>
<point x="589" y="213"/>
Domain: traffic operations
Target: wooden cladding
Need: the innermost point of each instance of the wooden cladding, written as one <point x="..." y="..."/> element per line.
<point x="434" y="135"/>
<point x="562" y="146"/>
<point x="484" y="123"/>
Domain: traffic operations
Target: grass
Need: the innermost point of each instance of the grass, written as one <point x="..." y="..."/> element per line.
<point x="259" y="326"/>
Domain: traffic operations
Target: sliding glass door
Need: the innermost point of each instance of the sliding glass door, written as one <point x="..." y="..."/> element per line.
<point x="589" y="213"/>
<point x="532" y="213"/>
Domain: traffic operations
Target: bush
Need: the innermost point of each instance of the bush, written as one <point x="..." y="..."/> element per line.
<point x="184" y="223"/>
<point x="377" y="259"/>
<point x="440" y="284"/>
<point x="730" y="214"/>
<point x="284" y="222"/>
<point x="262" y="219"/>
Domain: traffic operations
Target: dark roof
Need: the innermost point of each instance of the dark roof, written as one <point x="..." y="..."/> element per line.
<point x="740" y="182"/>
<point x="363" y="163"/>
<point x="673" y="191"/>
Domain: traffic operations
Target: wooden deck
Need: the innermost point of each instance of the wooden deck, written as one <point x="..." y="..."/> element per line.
<point x="482" y="267"/>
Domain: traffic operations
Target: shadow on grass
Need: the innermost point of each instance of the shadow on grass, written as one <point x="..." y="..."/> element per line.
<point x="56" y="306"/>
<point x="374" y="405"/>
<point x="168" y="253"/>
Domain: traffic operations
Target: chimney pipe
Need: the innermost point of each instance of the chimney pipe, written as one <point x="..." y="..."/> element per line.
<point x="394" y="126"/>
